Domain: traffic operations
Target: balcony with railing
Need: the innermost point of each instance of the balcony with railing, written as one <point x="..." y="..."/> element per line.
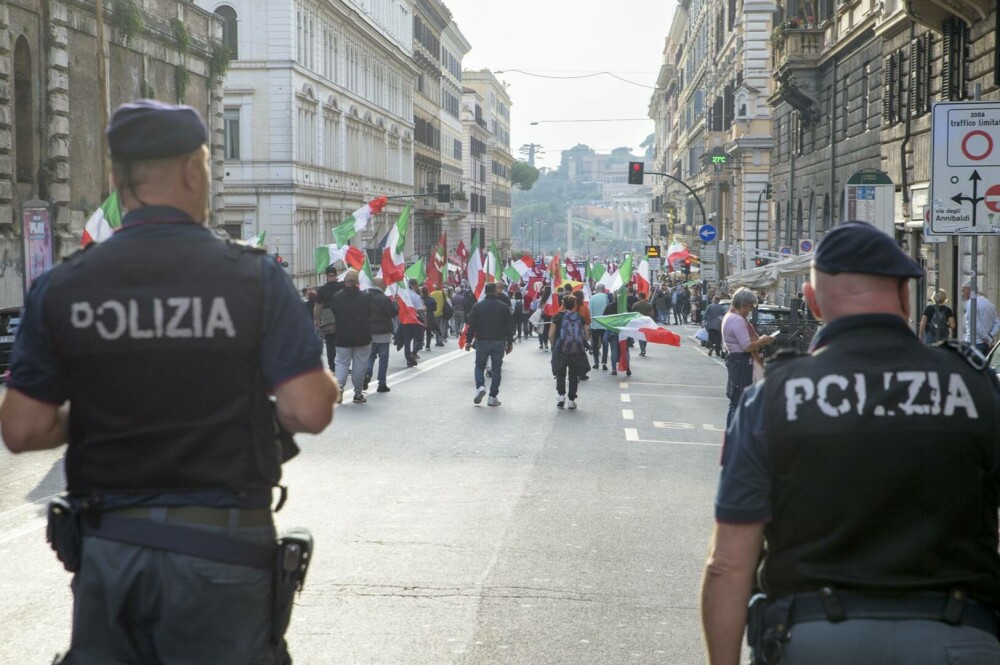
<point x="797" y="49"/>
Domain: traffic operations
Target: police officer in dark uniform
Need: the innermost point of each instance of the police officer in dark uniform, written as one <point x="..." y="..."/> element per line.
<point x="153" y="356"/>
<point x="870" y="469"/>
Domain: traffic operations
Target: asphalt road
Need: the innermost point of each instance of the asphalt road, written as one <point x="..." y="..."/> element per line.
<point x="453" y="533"/>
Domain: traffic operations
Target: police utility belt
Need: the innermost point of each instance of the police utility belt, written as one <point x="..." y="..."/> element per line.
<point x="174" y="529"/>
<point x="769" y="621"/>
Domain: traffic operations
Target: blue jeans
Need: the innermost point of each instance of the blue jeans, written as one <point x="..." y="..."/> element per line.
<point x="492" y="350"/>
<point x="381" y="350"/>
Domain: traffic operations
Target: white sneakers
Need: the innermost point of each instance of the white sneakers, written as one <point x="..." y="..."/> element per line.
<point x="561" y="402"/>
<point x="492" y="401"/>
<point x="480" y="394"/>
<point x="570" y="404"/>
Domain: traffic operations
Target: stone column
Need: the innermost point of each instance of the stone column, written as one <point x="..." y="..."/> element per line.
<point x="6" y="114"/>
<point x="58" y="117"/>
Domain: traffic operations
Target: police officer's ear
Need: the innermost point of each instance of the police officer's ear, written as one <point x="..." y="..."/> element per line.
<point x="904" y="297"/>
<point x="195" y="171"/>
<point x="810" y="295"/>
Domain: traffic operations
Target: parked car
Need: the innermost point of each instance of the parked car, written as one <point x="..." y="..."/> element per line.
<point x="993" y="358"/>
<point x="777" y="321"/>
<point x="10" y="319"/>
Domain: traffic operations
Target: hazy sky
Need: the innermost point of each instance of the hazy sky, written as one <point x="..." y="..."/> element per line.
<point x="570" y="38"/>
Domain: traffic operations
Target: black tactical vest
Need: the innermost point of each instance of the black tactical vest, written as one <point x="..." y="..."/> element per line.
<point x="158" y="331"/>
<point x="884" y="458"/>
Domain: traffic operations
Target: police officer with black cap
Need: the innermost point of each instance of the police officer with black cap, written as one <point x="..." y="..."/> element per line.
<point x="154" y="355"/>
<point x="869" y="467"/>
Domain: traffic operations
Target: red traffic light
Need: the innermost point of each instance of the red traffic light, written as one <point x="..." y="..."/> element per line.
<point x="687" y="261"/>
<point x="636" y="166"/>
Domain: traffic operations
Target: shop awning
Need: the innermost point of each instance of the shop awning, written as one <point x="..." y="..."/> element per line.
<point x="767" y="276"/>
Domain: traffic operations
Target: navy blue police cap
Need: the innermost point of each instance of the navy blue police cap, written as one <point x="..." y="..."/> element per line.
<point x="858" y="247"/>
<point x="147" y="129"/>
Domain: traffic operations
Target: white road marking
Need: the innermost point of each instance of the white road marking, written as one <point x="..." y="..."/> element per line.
<point x="631" y="434"/>
<point x="410" y="372"/>
<point x="674" y="395"/>
<point x="712" y="428"/>
<point x="626" y="397"/>
<point x="12" y="534"/>
<point x="623" y="384"/>
<point x="661" y="424"/>
<point x="627" y="414"/>
<point x="676" y="385"/>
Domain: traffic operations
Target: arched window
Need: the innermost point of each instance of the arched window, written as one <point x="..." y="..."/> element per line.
<point x="230" y="31"/>
<point x="24" y="116"/>
<point x="827" y="212"/>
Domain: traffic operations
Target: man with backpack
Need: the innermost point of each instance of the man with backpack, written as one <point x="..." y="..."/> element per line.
<point x="568" y="336"/>
<point x="938" y="320"/>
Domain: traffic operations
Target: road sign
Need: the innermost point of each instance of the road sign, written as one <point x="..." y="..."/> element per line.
<point x="654" y="263"/>
<point x="653" y="251"/>
<point x="709" y="272"/>
<point x="805" y="246"/>
<point x="707" y="233"/>
<point x="965" y="168"/>
<point x="785" y="252"/>
<point x="931" y="238"/>
<point x="870" y="196"/>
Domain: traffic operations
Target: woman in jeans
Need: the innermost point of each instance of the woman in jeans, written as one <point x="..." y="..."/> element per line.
<point x="742" y="343"/>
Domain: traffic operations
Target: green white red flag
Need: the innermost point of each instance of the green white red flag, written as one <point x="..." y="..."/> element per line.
<point x="104" y="222"/>
<point x="494" y="268"/>
<point x="393" y="262"/>
<point x="358" y="221"/>
<point x="328" y="255"/>
<point x="636" y="326"/>
<point x="642" y="277"/>
<point x="474" y="271"/>
<point x="438" y="265"/>
<point x="255" y="241"/>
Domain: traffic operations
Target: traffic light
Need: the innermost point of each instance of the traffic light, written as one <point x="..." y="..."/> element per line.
<point x="769" y="192"/>
<point x="281" y="262"/>
<point x="760" y="261"/>
<point x="444" y="193"/>
<point x="687" y="265"/>
<point x="636" y="171"/>
<point x="663" y="230"/>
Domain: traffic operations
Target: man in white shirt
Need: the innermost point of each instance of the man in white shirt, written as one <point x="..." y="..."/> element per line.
<point x="987" y="323"/>
<point x="598" y="307"/>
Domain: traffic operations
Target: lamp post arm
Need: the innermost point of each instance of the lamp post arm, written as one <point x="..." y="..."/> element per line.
<point x="704" y="217"/>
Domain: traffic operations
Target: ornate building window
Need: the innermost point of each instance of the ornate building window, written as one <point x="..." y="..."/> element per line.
<point x="24" y="113"/>
<point x="230" y="30"/>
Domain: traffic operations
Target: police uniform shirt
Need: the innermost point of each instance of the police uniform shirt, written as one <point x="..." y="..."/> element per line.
<point x="744" y="492"/>
<point x="288" y="345"/>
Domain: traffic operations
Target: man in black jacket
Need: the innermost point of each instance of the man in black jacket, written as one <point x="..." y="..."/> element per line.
<point x="354" y="336"/>
<point x="491" y="324"/>
<point x="382" y="311"/>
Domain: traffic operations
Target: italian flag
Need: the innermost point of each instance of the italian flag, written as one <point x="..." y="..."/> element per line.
<point x="523" y="266"/>
<point x="255" y="241"/>
<point x="393" y="263"/>
<point x="409" y="302"/>
<point x="365" y="279"/>
<point x="551" y="308"/>
<point x="636" y="326"/>
<point x="494" y="270"/>
<point x="357" y="222"/>
<point x="676" y="252"/>
<point x="103" y="222"/>
<point x="620" y="279"/>
<point x="642" y="277"/>
<point x="511" y="274"/>
<point x="555" y="271"/>
<point x="327" y="255"/>
<point x="474" y="272"/>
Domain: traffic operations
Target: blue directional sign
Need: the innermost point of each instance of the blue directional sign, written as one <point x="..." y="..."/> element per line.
<point x="785" y="252"/>
<point x="707" y="233"/>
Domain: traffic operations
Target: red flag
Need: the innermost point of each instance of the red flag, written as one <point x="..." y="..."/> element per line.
<point x="623" y="355"/>
<point x="552" y="306"/>
<point x="463" y="336"/>
<point x="555" y="271"/>
<point x="407" y="308"/>
<point x="355" y="258"/>
<point x="573" y="271"/>
<point x="437" y="266"/>
<point x="391" y="271"/>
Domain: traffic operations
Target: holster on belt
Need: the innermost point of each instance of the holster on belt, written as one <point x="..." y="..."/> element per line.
<point x="767" y="628"/>
<point x="65" y="533"/>
<point x="295" y="548"/>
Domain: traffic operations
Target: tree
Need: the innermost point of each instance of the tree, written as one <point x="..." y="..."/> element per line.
<point x="523" y="175"/>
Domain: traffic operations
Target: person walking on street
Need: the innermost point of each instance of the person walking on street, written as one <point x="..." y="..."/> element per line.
<point x="813" y="468"/>
<point x="518" y="314"/>
<point x="382" y="311"/>
<point x="937" y="323"/>
<point x="543" y="300"/>
<point x="491" y="325"/>
<point x="440" y="322"/>
<point x="430" y="307"/>
<point x="458" y="303"/>
<point x="987" y="322"/>
<point x="153" y="356"/>
<point x="354" y="337"/>
<point x="413" y="333"/>
<point x="568" y="338"/>
<point x="642" y="306"/>
<point x="676" y="304"/>
<point x="598" y="342"/>
<point x="713" y="325"/>
<point x="743" y="346"/>
<point x="323" y="315"/>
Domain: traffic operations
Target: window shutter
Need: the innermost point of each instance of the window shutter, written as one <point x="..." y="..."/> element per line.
<point x="946" y="60"/>
<point x="916" y="85"/>
<point x="887" y="68"/>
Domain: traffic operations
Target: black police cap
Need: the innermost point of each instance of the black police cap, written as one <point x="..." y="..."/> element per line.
<point x="331" y="270"/>
<point x="148" y="129"/>
<point x="858" y="247"/>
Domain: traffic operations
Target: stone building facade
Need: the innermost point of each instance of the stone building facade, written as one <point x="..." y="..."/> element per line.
<point x="454" y="47"/>
<point x="496" y="113"/>
<point x="49" y="70"/>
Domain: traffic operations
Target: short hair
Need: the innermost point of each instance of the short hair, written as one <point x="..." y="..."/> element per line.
<point x="491" y="288"/>
<point x="600" y="288"/>
<point x="569" y="302"/>
<point x="744" y="297"/>
<point x="941" y="296"/>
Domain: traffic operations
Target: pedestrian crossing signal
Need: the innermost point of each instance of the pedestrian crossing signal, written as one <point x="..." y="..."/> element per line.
<point x="636" y="171"/>
<point x="687" y="265"/>
<point x="758" y="262"/>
